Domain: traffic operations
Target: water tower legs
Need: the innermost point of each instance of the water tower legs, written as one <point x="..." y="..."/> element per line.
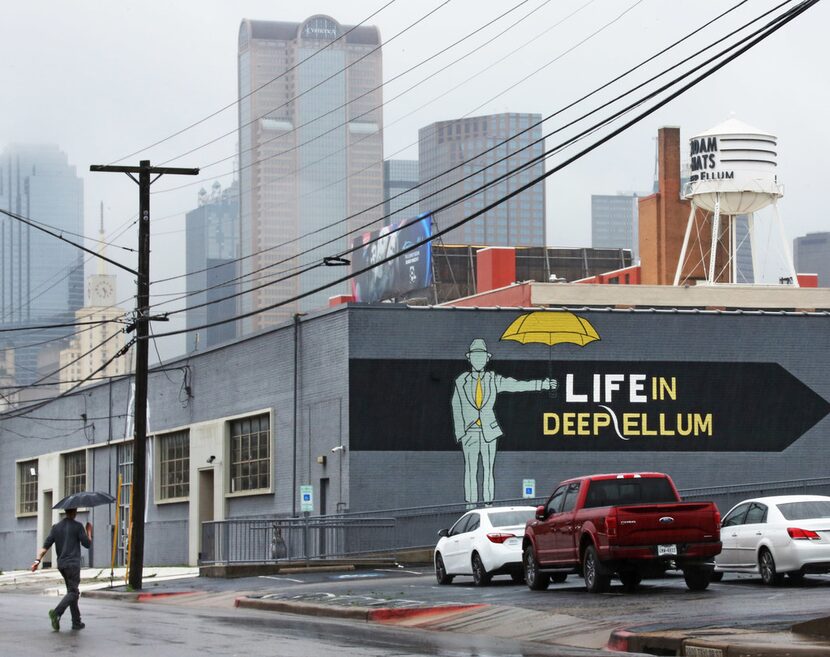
<point x="715" y="240"/>
<point x="685" y="246"/>
<point x="785" y="245"/>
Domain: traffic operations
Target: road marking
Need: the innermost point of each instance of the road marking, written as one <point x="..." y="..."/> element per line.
<point x="398" y="570"/>
<point x="287" y="579"/>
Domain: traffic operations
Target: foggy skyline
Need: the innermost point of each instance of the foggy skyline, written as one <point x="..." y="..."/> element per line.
<point x="102" y="80"/>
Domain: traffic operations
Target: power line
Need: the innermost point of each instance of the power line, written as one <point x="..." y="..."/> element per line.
<point x="771" y="27"/>
<point x="383" y="104"/>
<point x="28" y="222"/>
<point x="478" y="155"/>
<point x="252" y="92"/>
<point x="30" y="409"/>
<point x="313" y="87"/>
<point x="472" y="192"/>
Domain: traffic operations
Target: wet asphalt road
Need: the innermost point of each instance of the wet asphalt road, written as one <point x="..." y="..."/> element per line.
<point x="739" y="600"/>
<point x="130" y="630"/>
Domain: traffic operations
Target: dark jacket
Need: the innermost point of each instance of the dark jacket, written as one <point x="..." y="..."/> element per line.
<point x="67" y="536"/>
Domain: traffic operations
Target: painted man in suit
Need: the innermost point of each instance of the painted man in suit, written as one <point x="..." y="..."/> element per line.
<point x="473" y="410"/>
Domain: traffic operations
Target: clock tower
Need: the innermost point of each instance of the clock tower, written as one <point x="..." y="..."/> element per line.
<point x="91" y="352"/>
<point x="100" y="287"/>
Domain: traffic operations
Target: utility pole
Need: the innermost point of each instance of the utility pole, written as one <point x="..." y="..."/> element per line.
<point x="142" y="333"/>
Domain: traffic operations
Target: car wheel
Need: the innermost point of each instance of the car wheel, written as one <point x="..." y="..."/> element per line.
<point x="536" y="581"/>
<point x="480" y="575"/>
<point x="630" y="580"/>
<point x="697" y="578"/>
<point x="596" y="579"/>
<point x="441" y="572"/>
<point x="716" y="576"/>
<point x="558" y="578"/>
<point x="766" y="565"/>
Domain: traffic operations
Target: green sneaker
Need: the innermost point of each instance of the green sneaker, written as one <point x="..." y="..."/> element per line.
<point x="56" y="620"/>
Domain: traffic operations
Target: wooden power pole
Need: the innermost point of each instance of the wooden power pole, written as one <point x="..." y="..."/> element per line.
<point x="142" y="333"/>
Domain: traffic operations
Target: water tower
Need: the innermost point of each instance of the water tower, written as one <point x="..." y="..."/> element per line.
<point x="733" y="173"/>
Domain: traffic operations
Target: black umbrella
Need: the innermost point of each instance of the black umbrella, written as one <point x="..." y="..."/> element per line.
<point x="84" y="499"/>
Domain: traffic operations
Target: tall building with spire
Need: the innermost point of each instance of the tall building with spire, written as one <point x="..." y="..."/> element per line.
<point x="310" y="156"/>
<point x="94" y="344"/>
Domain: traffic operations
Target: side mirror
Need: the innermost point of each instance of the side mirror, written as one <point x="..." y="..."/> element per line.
<point x="443" y="532"/>
<point x="541" y="512"/>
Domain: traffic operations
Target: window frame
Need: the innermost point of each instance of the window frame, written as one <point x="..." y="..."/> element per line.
<point x="160" y="485"/>
<point x="18" y="488"/>
<point x="84" y="457"/>
<point x="229" y="450"/>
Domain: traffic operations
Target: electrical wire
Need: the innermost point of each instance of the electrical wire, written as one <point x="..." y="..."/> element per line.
<point x="765" y="32"/>
<point x="30" y="409"/>
<point x="383" y="104"/>
<point x="259" y="88"/>
<point x="474" y="191"/>
<point x="443" y="4"/>
<point x="481" y="153"/>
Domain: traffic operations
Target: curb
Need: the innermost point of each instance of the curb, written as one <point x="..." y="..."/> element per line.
<point x="131" y="596"/>
<point x="678" y="643"/>
<point x="368" y="614"/>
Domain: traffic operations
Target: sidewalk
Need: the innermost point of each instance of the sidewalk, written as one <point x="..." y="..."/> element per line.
<point x="182" y="586"/>
<point x="49" y="581"/>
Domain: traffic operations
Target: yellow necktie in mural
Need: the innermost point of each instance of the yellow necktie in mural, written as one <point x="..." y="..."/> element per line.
<point x="479" y="397"/>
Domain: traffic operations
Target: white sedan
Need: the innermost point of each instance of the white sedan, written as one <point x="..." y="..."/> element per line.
<point x="483" y="543"/>
<point x="774" y="536"/>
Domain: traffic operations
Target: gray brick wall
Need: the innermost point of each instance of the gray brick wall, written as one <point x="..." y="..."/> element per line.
<point x="257" y="373"/>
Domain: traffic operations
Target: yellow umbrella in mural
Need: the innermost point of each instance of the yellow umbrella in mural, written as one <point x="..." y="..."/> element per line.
<point x="551" y="328"/>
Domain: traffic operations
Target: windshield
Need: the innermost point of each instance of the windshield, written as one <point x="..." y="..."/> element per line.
<point x="805" y="510"/>
<point x="615" y="492"/>
<point x="511" y="518"/>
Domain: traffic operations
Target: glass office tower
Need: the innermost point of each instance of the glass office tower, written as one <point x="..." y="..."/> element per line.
<point x="444" y="149"/>
<point x="41" y="277"/>
<point x="310" y="156"/>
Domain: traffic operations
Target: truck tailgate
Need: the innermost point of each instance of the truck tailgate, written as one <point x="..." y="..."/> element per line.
<point x="652" y="524"/>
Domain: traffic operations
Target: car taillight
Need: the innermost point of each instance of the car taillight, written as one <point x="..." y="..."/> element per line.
<point x="611" y="522"/>
<point x="717" y="519"/>
<point x="803" y="534"/>
<point x="499" y="538"/>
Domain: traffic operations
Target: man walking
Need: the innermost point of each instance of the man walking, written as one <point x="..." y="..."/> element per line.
<point x="67" y="536"/>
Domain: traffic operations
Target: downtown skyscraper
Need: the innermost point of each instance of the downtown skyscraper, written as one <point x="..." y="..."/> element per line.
<point x="460" y="155"/>
<point x="41" y="277"/>
<point x="310" y="155"/>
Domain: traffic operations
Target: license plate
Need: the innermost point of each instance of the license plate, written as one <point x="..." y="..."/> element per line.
<point x="666" y="550"/>
<point x="512" y="541"/>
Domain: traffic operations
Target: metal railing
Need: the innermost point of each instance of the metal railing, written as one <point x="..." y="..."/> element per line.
<point x="385" y="531"/>
<point x="269" y="540"/>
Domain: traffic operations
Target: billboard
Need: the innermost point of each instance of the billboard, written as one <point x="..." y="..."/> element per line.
<point x="408" y="272"/>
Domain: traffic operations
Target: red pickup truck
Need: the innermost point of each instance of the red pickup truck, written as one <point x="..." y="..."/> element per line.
<point x="630" y="525"/>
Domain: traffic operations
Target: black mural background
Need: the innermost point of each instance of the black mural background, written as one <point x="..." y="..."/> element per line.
<point x="756" y="407"/>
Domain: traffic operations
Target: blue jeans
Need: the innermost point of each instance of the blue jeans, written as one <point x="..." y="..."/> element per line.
<point x="72" y="578"/>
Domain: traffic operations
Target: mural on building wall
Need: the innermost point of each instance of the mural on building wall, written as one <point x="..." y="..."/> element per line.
<point x="607" y="398"/>
<point x="476" y="428"/>
<point x="475" y="392"/>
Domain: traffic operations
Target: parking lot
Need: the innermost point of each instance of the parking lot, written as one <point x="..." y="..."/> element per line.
<point x="739" y="600"/>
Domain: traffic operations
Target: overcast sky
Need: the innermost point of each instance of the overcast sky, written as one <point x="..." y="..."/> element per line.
<point x="103" y="79"/>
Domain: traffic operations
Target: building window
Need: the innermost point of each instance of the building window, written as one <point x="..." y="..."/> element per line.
<point x="174" y="465"/>
<point x="250" y="453"/>
<point x="74" y="473"/>
<point x="27" y="488"/>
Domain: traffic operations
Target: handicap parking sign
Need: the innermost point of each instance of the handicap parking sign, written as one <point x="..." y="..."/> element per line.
<point x="306" y="499"/>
